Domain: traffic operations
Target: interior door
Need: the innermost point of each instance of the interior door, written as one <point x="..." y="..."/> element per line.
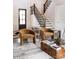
<point x="22" y="18"/>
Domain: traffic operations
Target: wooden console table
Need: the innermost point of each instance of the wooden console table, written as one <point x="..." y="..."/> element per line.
<point x="57" y="54"/>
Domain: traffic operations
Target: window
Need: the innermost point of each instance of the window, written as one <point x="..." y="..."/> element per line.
<point x="22" y="16"/>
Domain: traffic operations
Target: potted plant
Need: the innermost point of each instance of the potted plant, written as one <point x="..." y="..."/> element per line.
<point x="57" y="41"/>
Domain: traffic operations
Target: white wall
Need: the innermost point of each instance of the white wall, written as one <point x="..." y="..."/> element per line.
<point x="28" y="13"/>
<point x="16" y="5"/>
<point x="60" y="18"/>
<point x="34" y="22"/>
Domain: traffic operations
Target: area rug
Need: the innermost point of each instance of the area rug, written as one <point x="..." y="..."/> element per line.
<point x="29" y="51"/>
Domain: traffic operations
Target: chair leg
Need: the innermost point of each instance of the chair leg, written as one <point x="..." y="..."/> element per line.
<point x="34" y="40"/>
<point x="21" y="41"/>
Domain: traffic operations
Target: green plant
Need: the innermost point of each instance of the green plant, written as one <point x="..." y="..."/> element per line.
<point x="57" y="41"/>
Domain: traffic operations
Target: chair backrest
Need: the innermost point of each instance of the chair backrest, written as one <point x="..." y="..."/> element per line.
<point x="46" y="30"/>
<point x="22" y="31"/>
<point x="26" y="31"/>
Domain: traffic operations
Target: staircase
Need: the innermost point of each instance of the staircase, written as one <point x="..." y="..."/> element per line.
<point x="49" y="24"/>
<point x="46" y="5"/>
<point x="43" y="21"/>
<point x="39" y="17"/>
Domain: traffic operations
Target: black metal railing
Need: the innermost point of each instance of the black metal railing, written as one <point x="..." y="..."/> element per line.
<point x="46" y="5"/>
<point x="39" y="17"/>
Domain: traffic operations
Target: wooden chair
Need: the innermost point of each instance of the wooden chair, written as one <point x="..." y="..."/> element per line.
<point x="24" y="34"/>
<point x="45" y="32"/>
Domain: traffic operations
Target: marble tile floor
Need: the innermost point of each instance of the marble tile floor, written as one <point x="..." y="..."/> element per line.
<point x="28" y="50"/>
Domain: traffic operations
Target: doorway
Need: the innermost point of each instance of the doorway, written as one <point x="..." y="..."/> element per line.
<point x="22" y="18"/>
